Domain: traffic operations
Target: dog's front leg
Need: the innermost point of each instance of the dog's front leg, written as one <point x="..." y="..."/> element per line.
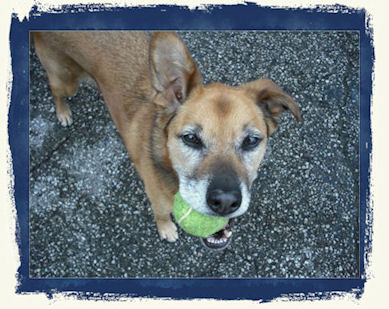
<point x="166" y="228"/>
<point x="162" y="205"/>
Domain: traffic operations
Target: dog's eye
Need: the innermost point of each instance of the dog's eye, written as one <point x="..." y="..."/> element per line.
<point x="250" y="142"/>
<point x="192" y="140"/>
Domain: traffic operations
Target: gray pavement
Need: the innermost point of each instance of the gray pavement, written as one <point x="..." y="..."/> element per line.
<point x="90" y="217"/>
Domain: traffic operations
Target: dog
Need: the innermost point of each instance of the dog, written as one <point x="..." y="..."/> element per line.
<point x="205" y="141"/>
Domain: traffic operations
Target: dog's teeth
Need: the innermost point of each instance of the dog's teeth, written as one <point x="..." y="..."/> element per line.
<point x="227" y="233"/>
<point x="211" y="240"/>
<point x="219" y="241"/>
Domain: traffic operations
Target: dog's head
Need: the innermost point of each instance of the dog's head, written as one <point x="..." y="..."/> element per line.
<point x="216" y="134"/>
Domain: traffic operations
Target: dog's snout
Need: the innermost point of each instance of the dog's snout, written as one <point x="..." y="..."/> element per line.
<point x="224" y="202"/>
<point x="224" y="195"/>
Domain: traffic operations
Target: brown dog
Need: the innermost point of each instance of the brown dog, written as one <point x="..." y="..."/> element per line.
<point x="205" y="141"/>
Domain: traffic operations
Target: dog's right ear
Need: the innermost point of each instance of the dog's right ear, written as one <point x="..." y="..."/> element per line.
<point x="174" y="73"/>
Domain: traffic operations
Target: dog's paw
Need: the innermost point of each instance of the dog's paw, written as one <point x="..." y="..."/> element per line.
<point x="65" y="116"/>
<point x="167" y="230"/>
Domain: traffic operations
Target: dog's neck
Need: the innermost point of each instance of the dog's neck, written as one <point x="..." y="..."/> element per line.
<point x="159" y="153"/>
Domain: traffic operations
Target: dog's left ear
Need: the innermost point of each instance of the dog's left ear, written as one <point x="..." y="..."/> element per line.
<point x="272" y="101"/>
<point x="174" y="73"/>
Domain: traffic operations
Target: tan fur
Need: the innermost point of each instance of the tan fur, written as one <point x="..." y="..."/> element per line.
<point x="153" y="89"/>
<point x="222" y="112"/>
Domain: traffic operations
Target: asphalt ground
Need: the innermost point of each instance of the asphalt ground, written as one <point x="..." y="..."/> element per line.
<point x="90" y="217"/>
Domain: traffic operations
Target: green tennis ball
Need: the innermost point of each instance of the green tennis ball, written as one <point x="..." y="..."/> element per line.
<point x="194" y="222"/>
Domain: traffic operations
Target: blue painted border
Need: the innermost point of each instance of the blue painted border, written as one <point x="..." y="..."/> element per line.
<point x="236" y="17"/>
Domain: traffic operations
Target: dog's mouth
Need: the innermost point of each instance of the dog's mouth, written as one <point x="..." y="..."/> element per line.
<point x="220" y="240"/>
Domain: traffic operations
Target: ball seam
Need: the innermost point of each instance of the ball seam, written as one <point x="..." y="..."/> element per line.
<point x="184" y="216"/>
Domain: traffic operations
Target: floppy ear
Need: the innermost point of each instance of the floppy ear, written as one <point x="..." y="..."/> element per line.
<point x="174" y="74"/>
<point x="272" y="101"/>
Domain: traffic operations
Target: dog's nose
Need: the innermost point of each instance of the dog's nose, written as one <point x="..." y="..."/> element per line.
<point x="224" y="202"/>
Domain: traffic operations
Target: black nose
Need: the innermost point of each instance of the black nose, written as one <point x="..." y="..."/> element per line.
<point x="224" y="202"/>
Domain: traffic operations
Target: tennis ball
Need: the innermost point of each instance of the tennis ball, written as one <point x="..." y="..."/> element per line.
<point x="194" y="222"/>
